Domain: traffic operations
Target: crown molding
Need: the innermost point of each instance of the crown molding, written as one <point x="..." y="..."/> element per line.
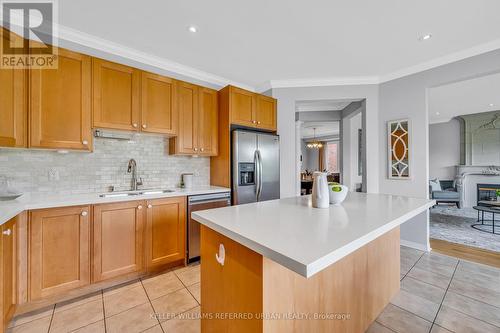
<point x="320" y="82"/>
<point x="116" y="49"/>
<point x="444" y="60"/>
<point x="362" y="80"/>
<point x="109" y="48"/>
<point x="105" y="48"/>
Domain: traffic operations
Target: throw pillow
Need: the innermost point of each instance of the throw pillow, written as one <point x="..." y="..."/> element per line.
<point x="435" y="185"/>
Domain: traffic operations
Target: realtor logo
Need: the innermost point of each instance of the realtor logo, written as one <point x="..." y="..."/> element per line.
<point x="29" y="34"/>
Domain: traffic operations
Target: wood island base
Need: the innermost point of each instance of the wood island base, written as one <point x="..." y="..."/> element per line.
<point x="251" y="293"/>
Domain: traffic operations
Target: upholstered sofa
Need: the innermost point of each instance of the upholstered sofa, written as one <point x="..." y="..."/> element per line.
<point x="446" y="194"/>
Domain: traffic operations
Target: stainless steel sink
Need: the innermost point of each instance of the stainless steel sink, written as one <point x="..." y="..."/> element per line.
<point x="156" y="191"/>
<point x="134" y="193"/>
<point x="118" y="194"/>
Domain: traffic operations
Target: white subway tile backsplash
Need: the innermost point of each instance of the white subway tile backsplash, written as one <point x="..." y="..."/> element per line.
<point x="28" y="170"/>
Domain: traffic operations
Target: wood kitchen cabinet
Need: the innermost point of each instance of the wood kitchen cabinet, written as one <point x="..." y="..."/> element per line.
<point x="250" y="109"/>
<point x="198" y="114"/>
<point x="8" y="243"/>
<point x="13" y="102"/>
<point x="118" y="233"/>
<point x="116" y="95"/>
<point x="158" y="111"/>
<point x="234" y="287"/>
<point x="165" y="231"/>
<point x="60" y="104"/>
<point x="59" y="250"/>
<point x="265" y="112"/>
<point x="207" y="122"/>
<point x="242" y="105"/>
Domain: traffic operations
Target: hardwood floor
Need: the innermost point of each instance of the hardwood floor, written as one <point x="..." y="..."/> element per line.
<point x="466" y="252"/>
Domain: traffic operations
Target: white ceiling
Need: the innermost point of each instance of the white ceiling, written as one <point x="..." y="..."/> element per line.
<point x="281" y="42"/>
<point x="322" y="105"/>
<point x="323" y="128"/>
<point x="464" y="97"/>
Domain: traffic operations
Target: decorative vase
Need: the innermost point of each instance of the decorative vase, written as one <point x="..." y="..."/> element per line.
<point x="320" y="195"/>
<point x="336" y="196"/>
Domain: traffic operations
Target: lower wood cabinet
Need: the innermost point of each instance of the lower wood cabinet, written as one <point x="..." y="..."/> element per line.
<point x="59" y="255"/>
<point x="8" y="243"/>
<point x="73" y="247"/>
<point x="165" y="231"/>
<point x="118" y="233"/>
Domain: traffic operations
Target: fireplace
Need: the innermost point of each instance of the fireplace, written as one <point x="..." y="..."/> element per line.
<point x="487" y="195"/>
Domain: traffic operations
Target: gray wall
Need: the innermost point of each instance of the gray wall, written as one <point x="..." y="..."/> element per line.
<point x="80" y="172"/>
<point x="444" y="149"/>
<point x="310" y="158"/>
<point x="407" y="98"/>
<point x="401" y="98"/>
<point x="482" y="138"/>
<point x="289" y="170"/>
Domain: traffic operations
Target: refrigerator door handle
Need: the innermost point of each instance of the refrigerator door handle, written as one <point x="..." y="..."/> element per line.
<point x="257" y="172"/>
<point x="259" y="175"/>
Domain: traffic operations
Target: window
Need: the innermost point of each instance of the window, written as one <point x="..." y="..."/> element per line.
<point x="332" y="158"/>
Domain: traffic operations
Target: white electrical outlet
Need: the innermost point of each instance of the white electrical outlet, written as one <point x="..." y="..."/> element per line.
<point x="53" y="174"/>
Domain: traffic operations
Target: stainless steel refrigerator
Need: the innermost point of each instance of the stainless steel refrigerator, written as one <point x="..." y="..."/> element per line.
<point x="255" y="166"/>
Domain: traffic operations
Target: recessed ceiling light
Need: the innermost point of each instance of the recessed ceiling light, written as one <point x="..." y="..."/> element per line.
<point x="425" y="37"/>
<point x="491" y="104"/>
<point x="437" y="113"/>
<point x="192" y="28"/>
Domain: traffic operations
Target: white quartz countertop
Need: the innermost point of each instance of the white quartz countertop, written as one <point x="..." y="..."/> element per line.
<point x="9" y="209"/>
<point x="305" y="239"/>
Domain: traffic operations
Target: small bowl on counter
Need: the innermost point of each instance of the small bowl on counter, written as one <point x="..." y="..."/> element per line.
<point x="337" y="193"/>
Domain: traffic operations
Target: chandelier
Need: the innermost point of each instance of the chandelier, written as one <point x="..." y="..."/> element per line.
<point x="315" y="144"/>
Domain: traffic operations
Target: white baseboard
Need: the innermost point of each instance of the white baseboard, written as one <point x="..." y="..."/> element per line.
<point x="415" y="245"/>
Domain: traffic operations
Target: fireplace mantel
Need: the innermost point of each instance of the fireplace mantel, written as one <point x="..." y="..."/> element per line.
<point x="467" y="178"/>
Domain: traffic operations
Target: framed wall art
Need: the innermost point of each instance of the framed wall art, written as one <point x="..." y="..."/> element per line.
<point x="398" y="133"/>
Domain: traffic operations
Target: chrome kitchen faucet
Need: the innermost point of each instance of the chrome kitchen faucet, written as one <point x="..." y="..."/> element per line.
<point x="132" y="168"/>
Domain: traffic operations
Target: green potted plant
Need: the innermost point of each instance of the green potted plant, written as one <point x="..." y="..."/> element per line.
<point x="498" y="195"/>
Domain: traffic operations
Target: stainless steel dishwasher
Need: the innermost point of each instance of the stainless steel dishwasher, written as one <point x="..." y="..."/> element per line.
<point x="201" y="202"/>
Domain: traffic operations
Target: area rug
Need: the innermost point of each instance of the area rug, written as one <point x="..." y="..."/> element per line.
<point x="451" y="224"/>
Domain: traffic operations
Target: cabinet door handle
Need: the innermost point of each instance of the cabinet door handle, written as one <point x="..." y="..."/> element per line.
<point x="84" y="213"/>
<point x="258" y="122"/>
<point x="144" y="126"/>
<point x="150" y="206"/>
<point x="7" y="232"/>
<point x="195" y="149"/>
<point x="202" y="149"/>
<point x="253" y="121"/>
<point x="85" y="142"/>
<point x="221" y="256"/>
<point x="139" y="207"/>
<point x="134" y="125"/>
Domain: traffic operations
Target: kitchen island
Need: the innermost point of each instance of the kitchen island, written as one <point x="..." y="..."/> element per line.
<point x="284" y="266"/>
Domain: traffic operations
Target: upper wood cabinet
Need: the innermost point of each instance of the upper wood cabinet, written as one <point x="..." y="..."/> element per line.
<point x="13" y="103"/>
<point x="250" y="109"/>
<point x="59" y="250"/>
<point x="60" y="104"/>
<point x="116" y="95"/>
<point x="165" y="231"/>
<point x="207" y="122"/>
<point x="158" y="111"/>
<point x="185" y="142"/>
<point x="197" y="133"/>
<point x="265" y="112"/>
<point x="118" y="239"/>
<point x="242" y="104"/>
<point x="8" y="243"/>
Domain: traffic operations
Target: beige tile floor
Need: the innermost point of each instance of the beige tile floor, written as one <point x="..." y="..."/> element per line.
<point x="439" y="294"/>
<point x="174" y="296"/>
